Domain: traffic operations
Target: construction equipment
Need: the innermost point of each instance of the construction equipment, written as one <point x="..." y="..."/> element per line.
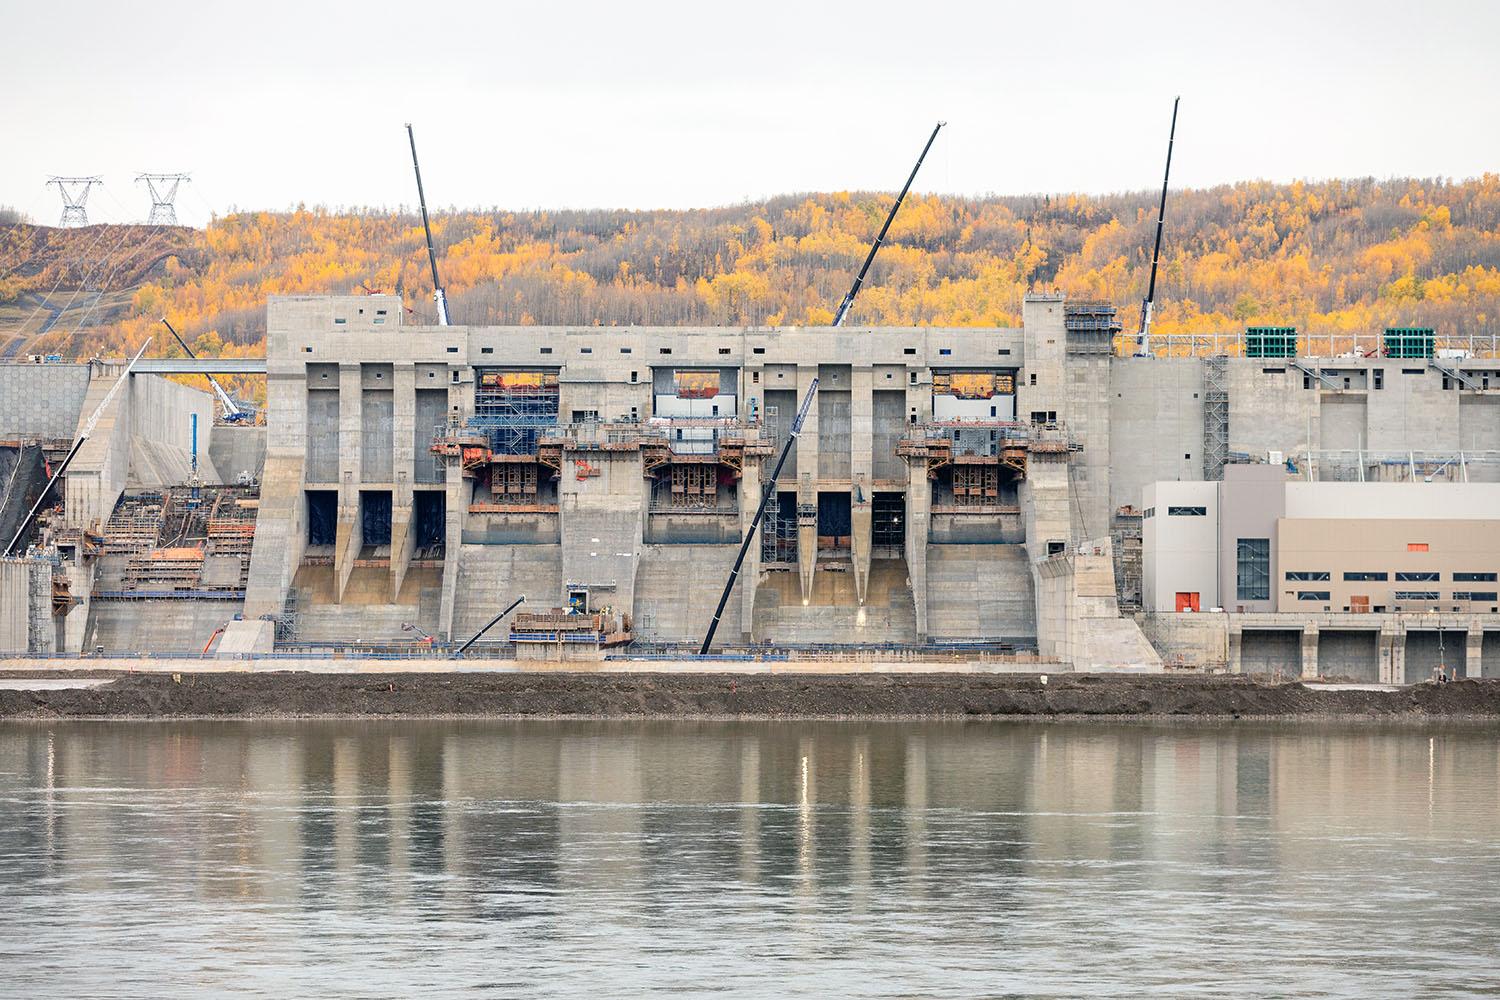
<point x="859" y="280"/>
<point x="767" y="491"/>
<point x="493" y="622"/>
<point x="232" y="413"/>
<point x="423" y="636"/>
<point x="1143" y="339"/>
<point x="438" y="295"/>
<point x="62" y="467"/>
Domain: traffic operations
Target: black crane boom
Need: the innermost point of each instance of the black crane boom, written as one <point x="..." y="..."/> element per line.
<point x="493" y="622"/>
<point x="859" y="280"/>
<point x="767" y="491"/>
<point x="438" y="295"/>
<point x="1143" y="341"/>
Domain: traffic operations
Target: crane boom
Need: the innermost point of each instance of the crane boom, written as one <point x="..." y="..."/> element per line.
<point x="1143" y="340"/>
<point x="768" y="490"/>
<point x="493" y="622"/>
<point x="438" y="295"/>
<point x="859" y="280"/>
<point x="83" y="436"/>
<point x="231" y="412"/>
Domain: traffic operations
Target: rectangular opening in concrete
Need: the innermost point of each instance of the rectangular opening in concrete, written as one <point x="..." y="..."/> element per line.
<point x="1351" y="655"/>
<point x="430" y="510"/>
<point x="1271" y="651"/>
<point x="890" y="425"/>
<point x="374" y="518"/>
<point x="377" y="416"/>
<point x="834" y="525"/>
<point x="888" y="526"/>
<point x="1427" y="650"/>
<point x="431" y="416"/>
<point x="781" y="410"/>
<point x="322" y="517"/>
<point x="1489" y="652"/>
<point x="322" y="447"/>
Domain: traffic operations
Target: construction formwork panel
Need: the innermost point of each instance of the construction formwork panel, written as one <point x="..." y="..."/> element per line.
<point x="1408" y="342"/>
<point x="1270" y="341"/>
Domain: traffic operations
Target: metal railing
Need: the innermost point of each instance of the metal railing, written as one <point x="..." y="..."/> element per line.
<point x="1312" y="345"/>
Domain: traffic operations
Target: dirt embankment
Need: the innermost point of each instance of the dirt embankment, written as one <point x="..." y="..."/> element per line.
<point x="273" y="694"/>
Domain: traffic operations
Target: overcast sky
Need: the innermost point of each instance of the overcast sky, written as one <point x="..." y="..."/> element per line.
<point x="680" y="104"/>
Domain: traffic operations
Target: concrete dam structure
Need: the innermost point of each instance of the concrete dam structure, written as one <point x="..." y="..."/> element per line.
<point x="969" y="487"/>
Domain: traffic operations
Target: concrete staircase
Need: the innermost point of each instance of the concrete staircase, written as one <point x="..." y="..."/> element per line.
<point x="833" y="613"/>
<point x="979" y="591"/>
<point x="491" y="576"/>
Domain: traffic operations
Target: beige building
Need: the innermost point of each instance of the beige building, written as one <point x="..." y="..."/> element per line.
<point x="1417" y="564"/>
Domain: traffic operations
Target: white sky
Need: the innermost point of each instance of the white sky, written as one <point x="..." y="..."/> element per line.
<point x="680" y="104"/>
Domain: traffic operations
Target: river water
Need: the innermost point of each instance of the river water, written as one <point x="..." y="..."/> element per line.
<point x="357" y="858"/>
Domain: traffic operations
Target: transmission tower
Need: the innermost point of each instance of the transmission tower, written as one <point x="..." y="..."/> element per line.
<point x="75" y="195"/>
<point x="163" y="188"/>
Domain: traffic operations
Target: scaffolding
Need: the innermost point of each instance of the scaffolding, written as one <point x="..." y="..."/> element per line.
<point x="1215" y="417"/>
<point x="778" y="530"/>
<point x="515" y="413"/>
<point x="1091" y="328"/>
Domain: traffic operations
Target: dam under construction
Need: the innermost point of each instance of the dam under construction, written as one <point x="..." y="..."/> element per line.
<point x="955" y="493"/>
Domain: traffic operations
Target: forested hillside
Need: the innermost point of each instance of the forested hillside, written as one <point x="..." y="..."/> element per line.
<point x="1335" y="256"/>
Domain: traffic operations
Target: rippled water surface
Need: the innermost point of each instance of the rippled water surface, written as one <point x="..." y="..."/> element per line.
<point x="359" y="858"/>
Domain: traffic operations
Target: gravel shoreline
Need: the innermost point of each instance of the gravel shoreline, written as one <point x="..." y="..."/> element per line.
<point x="276" y="694"/>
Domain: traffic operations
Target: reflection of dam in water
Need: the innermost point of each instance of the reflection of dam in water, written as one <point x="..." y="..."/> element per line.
<point x="707" y="852"/>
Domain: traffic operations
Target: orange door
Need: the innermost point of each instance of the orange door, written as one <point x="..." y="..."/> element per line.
<point x="1187" y="600"/>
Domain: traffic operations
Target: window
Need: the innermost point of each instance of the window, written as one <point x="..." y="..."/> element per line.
<point x="945" y="350"/>
<point x="585" y="416"/>
<point x="1312" y="595"/>
<point x="1474" y="595"/>
<point x="451" y="350"/>
<point x="339" y="321"/>
<point x="1003" y="352"/>
<point x="635" y="377"/>
<point x="1307" y="576"/>
<point x="1273" y="371"/>
<point x="755" y="378"/>
<point x="1416" y="577"/>
<point x="908" y="350"/>
<point x="585" y="350"/>
<point x="666" y="350"/>
<point x="1412" y="371"/>
<point x="625" y="350"/>
<point x="1365" y="577"/>
<point x="723" y="350"/>
<point x="1253" y="569"/>
<point x="1032" y="380"/>
<point x="1187" y="511"/>
<point x="486" y="350"/>
<point x="1379" y="374"/>
<point x="1416" y="546"/>
<point x="1415" y="595"/>
<point x="1473" y="577"/>
<point x="757" y="350"/>
<point x="380" y="321"/>
<point x="1149" y="512"/>
<point x="546" y="350"/>
<point x="913" y="378"/>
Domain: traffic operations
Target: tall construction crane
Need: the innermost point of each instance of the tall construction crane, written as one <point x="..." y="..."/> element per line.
<point x="232" y="413"/>
<point x="859" y="280"/>
<point x="768" y="490"/>
<point x="62" y="467"/>
<point x="438" y="295"/>
<point x="1143" y="339"/>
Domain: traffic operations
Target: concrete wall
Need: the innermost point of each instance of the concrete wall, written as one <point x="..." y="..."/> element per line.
<point x="41" y="401"/>
<point x="1270" y="651"/>
<point x="236" y="449"/>
<point x="1351" y="654"/>
<point x="156" y="626"/>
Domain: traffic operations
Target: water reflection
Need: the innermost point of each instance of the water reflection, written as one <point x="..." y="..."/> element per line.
<point x="553" y="857"/>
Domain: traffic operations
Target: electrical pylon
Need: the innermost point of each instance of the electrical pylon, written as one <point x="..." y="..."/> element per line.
<point x="163" y="211"/>
<point x="75" y="195"/>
